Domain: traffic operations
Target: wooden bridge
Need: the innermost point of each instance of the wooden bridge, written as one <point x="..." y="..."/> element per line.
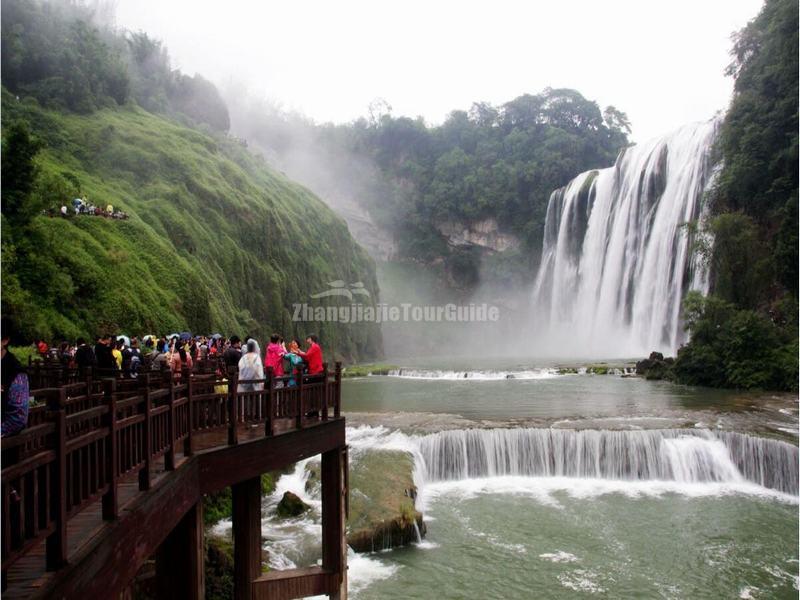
<point x="111" y="473"/>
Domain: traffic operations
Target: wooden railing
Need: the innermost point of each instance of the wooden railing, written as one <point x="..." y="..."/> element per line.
<point x="84" y="437"/>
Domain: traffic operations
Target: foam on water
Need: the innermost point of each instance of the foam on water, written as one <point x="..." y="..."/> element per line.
<point x="559" y="557"/>
<point x="471" y="376"/>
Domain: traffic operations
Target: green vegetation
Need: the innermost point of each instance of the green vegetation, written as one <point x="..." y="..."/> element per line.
<point x="216" y="240"/>
<point x="371" y="369"/>
<point x="745" y="334"/>
<point x="736" y="348"/>
<point x="217" y="507"/>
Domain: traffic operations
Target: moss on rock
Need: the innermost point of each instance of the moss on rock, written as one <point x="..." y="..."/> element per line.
<point x="382" y="511"/>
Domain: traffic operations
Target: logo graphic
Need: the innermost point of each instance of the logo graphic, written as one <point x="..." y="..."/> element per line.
<point x="339" y="288"/>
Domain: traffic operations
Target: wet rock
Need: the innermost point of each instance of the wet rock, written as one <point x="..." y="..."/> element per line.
<point x="291" y="506"/>
<point x="655" y="367"/>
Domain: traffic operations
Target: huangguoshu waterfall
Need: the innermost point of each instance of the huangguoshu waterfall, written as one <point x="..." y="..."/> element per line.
<point x="618" y="257"/>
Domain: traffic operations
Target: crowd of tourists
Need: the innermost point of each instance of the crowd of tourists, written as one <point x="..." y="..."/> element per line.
<point x="81" y="206"/>
<point x="129" y="357"/>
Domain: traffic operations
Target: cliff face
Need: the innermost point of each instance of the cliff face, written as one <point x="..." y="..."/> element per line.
<point x="486" y="234"/>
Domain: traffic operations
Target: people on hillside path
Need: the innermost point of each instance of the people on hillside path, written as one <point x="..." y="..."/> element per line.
<point x="313" y="355"/>
<point x="15" y="389"/>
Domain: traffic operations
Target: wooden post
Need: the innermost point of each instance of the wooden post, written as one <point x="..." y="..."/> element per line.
<point x="268" y="411"/>
<point x="180" y="560"/>
<point x="325" y="391"/>
<point x="337" y="405"/>
<point x="188" y="450"/>
<point x="233" y="384"/>
<point x="144" y="473"/>
<point x="89" y="379"/>
<point x="110" y="498"/>
<point x="56" y="545"/>
<point x="169" y="456"/>
<point x="246" y="502"/>
<point x="300" y="400"/>
<point x="334" y="543"/>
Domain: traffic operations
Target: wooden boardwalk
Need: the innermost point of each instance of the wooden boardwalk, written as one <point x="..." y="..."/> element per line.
<point x="201" y="436"/>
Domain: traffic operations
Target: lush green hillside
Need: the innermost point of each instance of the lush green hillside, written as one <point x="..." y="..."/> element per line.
<point x="745" y="334"/>
<point x="215" y="240"/>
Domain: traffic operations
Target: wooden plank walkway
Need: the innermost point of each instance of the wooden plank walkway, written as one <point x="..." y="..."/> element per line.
<point x="94" y="453"/>
<point x="27" y="577"/>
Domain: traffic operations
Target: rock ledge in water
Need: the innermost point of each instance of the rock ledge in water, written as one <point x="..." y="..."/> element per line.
<point x="382" y="502"/>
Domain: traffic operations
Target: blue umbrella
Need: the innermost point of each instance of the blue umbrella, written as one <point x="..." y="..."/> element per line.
<point x="216" y="336"/>
<point x="186" y="335"/>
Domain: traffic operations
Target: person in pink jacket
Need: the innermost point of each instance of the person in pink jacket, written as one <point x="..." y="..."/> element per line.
<point x="274" y="356"/>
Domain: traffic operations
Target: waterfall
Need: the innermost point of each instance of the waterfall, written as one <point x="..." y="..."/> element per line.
<point x="681" y="455"/>
<point x="617" y="255"/>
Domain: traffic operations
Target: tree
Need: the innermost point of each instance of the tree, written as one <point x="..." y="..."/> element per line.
<point x="616" y="120"/>
<point x="19" y="172"/>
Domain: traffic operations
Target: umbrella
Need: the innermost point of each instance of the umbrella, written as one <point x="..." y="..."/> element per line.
<point x="186" y="335"/>
<point x="172" y="335"/>
<point x="125" y="339"/>
<point x="216" y="336"/>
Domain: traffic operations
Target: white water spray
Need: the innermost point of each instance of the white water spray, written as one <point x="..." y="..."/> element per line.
<point x="617" y="256"/>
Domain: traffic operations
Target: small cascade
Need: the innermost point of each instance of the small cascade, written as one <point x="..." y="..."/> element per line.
<point x="680" y="455"/>
<point x="489" y="375"/>
<point x="417" y="532"/>
<point x="617" y="257"/>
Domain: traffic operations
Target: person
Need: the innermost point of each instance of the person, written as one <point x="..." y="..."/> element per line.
<point x="234" y="353"/>
<point x="15" y="388"/>
<point x="116" y="352"/>
<point x="274" y="356"/>
<point x="159" y="356"/>
<point x="42" y="348"/>
<point x="84" y="357"/>
<point x="250" y="368"/>
<point x="65" y="355"/>
<point x="178" y="360"/>
<point x="293" y="363"/>
<point x="104" y="356"/>
<point x="313" y="355"/>
<point x="203" y="349"/>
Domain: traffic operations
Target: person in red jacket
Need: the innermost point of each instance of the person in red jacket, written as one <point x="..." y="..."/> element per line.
<point x="313" y="356"/>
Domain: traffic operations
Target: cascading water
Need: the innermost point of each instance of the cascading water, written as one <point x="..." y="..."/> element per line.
<point x="680" y="455"/>
<point x="617" y="256"/>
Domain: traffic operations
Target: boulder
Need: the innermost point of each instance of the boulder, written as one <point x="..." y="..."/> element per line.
<point x="291" y="506"/>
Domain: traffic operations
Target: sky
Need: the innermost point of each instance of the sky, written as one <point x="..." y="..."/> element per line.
<point x="660" y="62"/>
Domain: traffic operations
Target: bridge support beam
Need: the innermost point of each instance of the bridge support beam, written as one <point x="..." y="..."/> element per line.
<point x="334" y="542"/>
<point x="180" y="560"/>
<point x="246" y="497"/>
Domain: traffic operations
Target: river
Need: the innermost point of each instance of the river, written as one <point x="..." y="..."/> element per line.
<point x="536" y="484"/>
